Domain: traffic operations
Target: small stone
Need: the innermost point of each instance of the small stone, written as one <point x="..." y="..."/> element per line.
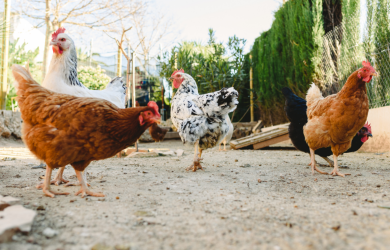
<point x="336" y="228"/>
<point x="258" y="180"/>
<point x="41" y="208"/>
<point x="168" y="188"/>
<point x="378" y="186"/>
<point x="117" y="197"/>
<point x="354" y="212"/>
<point x="72" y="201"/>
<point x="179" y="152"/>
<point x="49" y="233"/>
<point x="236" y="160"/>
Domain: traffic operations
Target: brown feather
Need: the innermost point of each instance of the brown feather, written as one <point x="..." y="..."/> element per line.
<point x="334" y="121"/>
<point x="62" y="129"/>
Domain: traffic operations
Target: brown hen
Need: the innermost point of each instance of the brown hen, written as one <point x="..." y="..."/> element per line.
<point x="334" y="121"/>
<point x="62" y="129"/>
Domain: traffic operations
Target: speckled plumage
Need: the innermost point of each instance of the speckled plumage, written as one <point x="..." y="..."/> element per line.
<point x="202" y="117"/>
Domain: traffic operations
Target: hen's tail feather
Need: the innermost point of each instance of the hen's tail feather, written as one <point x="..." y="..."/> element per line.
<point x="228" y="98"/>
<point x="118" y="85"/>
<point x="313" y="94"/>
<point x="23" y="78"/>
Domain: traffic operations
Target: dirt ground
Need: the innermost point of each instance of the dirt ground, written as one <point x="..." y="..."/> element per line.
<point x="153" y="203"/>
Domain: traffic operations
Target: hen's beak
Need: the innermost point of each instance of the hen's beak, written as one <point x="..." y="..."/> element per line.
<point x="53" y="43"/>
<point x="171" y="78"/>
<point x="158" y="121"/>
<point x="369" y="135"/>
<point x="374" y="74"/>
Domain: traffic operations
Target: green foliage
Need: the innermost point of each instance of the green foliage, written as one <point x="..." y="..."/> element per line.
<point x="351" y="21"/>
<point x="380" y="46"/>
<point x="19" y="55"/>
<point x="93" y="78"/>
<point x="287" y="55"/>
<point x="213" y="66"/>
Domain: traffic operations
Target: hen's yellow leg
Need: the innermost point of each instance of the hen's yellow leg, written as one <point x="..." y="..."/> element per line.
<point x="336" y="168"/>
<point x="196" y="165"/>
<point x="46" y="185"/>
<point x="313" y="163"/>
<point x="84" y="189"/>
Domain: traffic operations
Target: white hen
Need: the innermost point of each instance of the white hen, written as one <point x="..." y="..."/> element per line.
<point x="62" y="78"/>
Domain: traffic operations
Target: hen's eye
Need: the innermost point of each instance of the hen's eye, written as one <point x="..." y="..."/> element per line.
<point x="62" y="39"/>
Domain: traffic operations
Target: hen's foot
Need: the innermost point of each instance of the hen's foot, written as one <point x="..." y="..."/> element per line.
<point x="75" y="184"/>
<point x="58" y="180"/>
<point x="85" y="192"/>
<point x="51" y="193"/>
<point x="40" y="186"/>
<point x="314" y="167"/>
<point x="319" y="171"/>
<point x="54" y="181"/>
<point x="196" y="165"/>
<point x="336" y="172"/>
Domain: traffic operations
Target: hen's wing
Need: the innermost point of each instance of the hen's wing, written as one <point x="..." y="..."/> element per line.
<point x="201" y="127"/>
<point x="218" y="104"/>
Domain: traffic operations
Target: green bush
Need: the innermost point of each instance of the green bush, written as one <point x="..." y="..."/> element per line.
<point x="93" y="78"/>
<point x="288" y="54"/>
<point x="19" y="55"/>
<point x="212" y="65"/>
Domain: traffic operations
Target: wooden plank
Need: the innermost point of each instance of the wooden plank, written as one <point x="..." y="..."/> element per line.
<point x="267" y="136"/>
<point x="257" y="126"/>
<point x="285" y="125"/>
<point x="257" y="138"/>
<point x="270" y="142"/>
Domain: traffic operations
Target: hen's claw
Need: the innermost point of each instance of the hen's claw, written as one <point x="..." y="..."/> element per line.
<point x="319" y="171"/>
<point x="75" y="184"/>
<point x="58" y="181"/>
<point x="87" y="192"/>
<point x="52" y="194"/>
<point x="336" y="172"/>
<point x="196" y="165"/>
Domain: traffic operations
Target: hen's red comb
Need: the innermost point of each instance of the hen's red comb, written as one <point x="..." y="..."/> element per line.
<point x="366" y="64"/>
<point x="59" y="31"/>
<point x="177" y="71"/>
<point x="368" y="127"/>
<point x="154" y="105"/>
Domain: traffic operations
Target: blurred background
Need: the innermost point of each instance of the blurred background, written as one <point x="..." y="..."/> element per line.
<point x="220" y="43"/>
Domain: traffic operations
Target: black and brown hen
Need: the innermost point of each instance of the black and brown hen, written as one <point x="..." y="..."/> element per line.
<point x="295" y="108"/>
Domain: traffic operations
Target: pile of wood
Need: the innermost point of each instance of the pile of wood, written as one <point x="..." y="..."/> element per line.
<point x="267" y="136"/>
<point x="243" y="129"/>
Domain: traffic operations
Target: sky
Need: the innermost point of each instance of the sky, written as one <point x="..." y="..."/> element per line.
<point x="243" y="18"/>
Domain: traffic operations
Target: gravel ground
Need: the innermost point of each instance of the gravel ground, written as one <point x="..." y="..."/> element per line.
<point x="245" y="199"/>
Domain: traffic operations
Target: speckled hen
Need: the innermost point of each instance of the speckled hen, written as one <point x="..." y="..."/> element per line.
<point x="201" y="120"/>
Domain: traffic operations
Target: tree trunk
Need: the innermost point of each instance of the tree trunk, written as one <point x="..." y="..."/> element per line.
<point x="49" y="30"/>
